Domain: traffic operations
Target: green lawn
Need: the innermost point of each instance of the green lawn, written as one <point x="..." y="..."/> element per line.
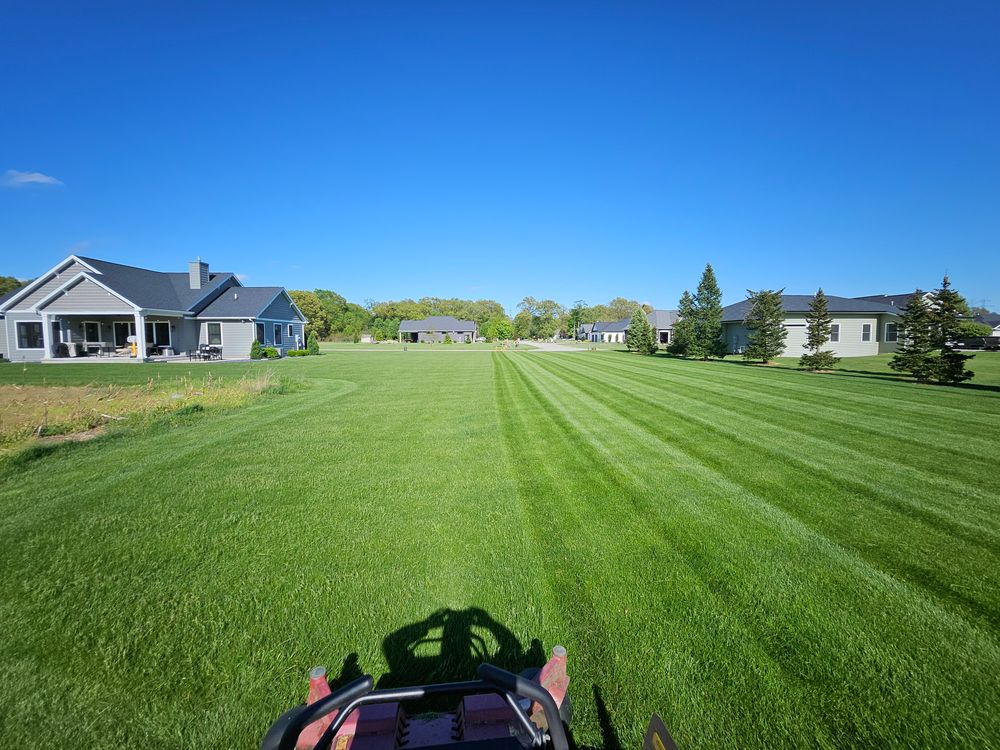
<point x="765" y="557"/>
<point x="333" y="346"/>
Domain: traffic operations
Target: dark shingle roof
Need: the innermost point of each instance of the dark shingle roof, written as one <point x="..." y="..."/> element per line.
<point x="8" y="295"/>
<point x="612" y="326"/>
<point x="990" y="319"/>
<point x="436" y="323"/>
<point x="660" y="319"/>
<point x="241" y="302"/>
<point x="799" y="303"/>
<point x="155" y="290"/>
<point x="895" y="300"/>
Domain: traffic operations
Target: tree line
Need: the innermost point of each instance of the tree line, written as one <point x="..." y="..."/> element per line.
<point x="331" y="316"/>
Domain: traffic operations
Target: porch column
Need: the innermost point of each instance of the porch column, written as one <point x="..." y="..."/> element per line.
<point x="47" y="335"/>
<point x="140" y="337"/>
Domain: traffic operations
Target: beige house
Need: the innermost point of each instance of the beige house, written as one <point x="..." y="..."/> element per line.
<point x="860" y="327"/>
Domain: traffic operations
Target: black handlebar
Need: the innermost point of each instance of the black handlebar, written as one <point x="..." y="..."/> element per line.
<point x="284" y="733"/>
<point x="518" y="685"/>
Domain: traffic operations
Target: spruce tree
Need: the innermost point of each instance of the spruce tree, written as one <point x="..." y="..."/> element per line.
<point x="766" y="323"/>
<point x="313" y="343"/>
<point x="639" y="337"/>
<point x="946" y="311"/>
<point x="683" y="331"/>
<point x="914" y="333"/>
<point x="707" y="340"/>
<point x="818" y="325"/>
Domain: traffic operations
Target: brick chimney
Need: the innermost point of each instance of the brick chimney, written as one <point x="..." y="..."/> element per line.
<point x="197" y="274"/>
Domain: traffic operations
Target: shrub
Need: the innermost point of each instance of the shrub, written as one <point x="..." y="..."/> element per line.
<point x="255" y="350"/>
<point x="447" y="338"/>
<point x="270" y="352"/>
<point x="313" y="345"/>
<point x="968" y="329"/>
<point x="298" y="352"/>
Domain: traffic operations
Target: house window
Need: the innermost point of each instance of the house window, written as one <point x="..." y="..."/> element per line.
<point x="259" y="332"/>
<point x="157" y="333"/>
<point x="29" y="336"/>
<point x="91" y="331"/>
<point x="891" y="332"/>
<point x="835" y="333"/>
<point x="866" y="331"/>
<point x="214" y="331"/>
<point x="277" y="334"/>
<point x="123" y="330"/>
<point x="291" y="331"/>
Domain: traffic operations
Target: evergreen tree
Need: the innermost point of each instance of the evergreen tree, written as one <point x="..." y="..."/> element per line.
<point x="683" y="331"/>
<point x="766" y="323"/>
<point x="818" y="324"/>
<point x="914" y="333"/>
<point x="707" y="339"/>
<point x="639" y="337"/>
<point x="313" y="343"/>
<point x="946" y="311"/>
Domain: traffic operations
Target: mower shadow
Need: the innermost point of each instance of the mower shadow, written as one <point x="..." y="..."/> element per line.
<point x="448" y="645"/>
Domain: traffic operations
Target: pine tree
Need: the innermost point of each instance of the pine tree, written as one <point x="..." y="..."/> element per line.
<point x="818" y="325"/>
<point x="707" y="338"/>
<point x="313" y="343"/>
<point x="639" y="337"/>
<point x="683" y="331"/>
<point x="766" y="323"/>
<point x="914" y="333"/>
<point x="946" y="311"/>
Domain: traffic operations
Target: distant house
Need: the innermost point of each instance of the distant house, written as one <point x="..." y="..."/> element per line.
<point x="583" y="331"/>
<point x="90" y="307"/>
<point x="609" y="332"/>
<point x="861" y="327"/>
<point x="615" y="332"/>
<point x="990" y="319"/>
<point x="434" y="329"/>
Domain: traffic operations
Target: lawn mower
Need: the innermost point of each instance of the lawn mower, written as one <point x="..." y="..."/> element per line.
<point x="497" y="711"/>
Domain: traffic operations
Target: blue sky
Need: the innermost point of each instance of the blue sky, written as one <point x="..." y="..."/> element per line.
<point x="567" y="150"/>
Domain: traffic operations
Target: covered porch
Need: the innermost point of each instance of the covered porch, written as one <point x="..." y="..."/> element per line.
<point x="139" y="336"/>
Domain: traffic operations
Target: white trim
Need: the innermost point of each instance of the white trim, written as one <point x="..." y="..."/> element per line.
<point x="17" y="336"/>
<point x="276" y="334"/>
<point x="863" y="339"/>
<point x="895" y="333"/>
<point x="165" y="313"/>
<point x="72" y="282"/>
<point x="831" y="339"/>
<point x="44" y="279"/>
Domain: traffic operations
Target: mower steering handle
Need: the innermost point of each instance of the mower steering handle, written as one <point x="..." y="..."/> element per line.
<point x="284" y="733"/>
<point x="518" y="685"/>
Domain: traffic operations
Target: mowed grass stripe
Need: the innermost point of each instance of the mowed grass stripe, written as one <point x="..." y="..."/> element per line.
<point x="967" y="494"/>
<point x="915" y="427"/>
<point x="852" y="640"/>
<point x="633" y="593"/>
<point x="219" y="596"/>
<point x="818" y="495"/>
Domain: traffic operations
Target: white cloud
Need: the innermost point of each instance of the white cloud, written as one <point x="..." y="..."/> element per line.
<point x="242" y="276"/>
<point x="13" y="178"/>
<point x="78" y="247"/>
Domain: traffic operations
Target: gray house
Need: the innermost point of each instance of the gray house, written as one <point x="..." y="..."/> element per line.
<point x="89" y="307"/>
<point x="435" y="328"/>
<point x="861" y="327"/>
<point x="661" y="321"/>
